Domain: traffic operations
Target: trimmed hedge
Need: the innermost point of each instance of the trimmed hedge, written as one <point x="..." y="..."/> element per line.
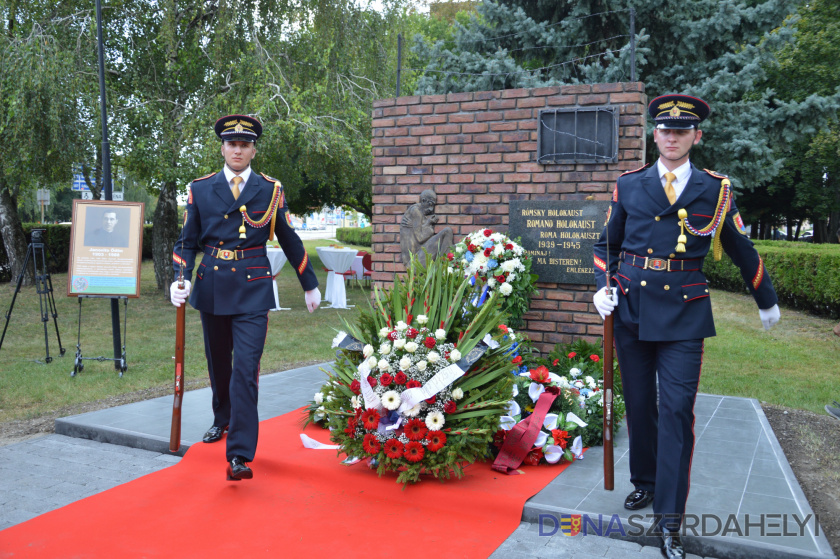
<point x="805" y="276"/>
<point x="359" y="236"/>
<point x="57" y="239"/>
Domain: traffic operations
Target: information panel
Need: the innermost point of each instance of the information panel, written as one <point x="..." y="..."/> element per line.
<point x="560" y="236"/>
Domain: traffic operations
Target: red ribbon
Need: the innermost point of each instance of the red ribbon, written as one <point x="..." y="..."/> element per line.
<point x="520" y="440"/>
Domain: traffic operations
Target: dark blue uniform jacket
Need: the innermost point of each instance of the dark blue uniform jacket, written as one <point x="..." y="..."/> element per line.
<point x="642" y="224"/>
<point x="242" y="283"/>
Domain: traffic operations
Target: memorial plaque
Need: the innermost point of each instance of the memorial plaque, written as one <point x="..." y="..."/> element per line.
<point x="560" y="236"/>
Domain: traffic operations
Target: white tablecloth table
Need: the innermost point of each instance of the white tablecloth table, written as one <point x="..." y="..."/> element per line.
<point x="278" y="259"/>
<point x="358" y="268"/>
<point x="338" y="260"/>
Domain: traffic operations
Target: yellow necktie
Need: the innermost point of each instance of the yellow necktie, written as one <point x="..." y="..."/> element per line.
<point x="237" y="180"/>
<point x="669" y="188"/>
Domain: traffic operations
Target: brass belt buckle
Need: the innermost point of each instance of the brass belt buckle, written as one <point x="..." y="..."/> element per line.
<point x="658" y="264"/>
<point x="226" y="255"/>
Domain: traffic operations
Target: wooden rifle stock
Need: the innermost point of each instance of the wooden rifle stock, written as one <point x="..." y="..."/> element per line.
<point x="609" y="464"/>
<point x="180" y="319"/>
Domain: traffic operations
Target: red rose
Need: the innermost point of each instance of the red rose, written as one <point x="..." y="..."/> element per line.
<point x="414" y="451"/>
<point x="431" y="400"/>
<point x="415" y="430"/>
<point x="400" y="378"/>
<point x="392" y="335"/>
<point x="595" y="358"/>
<point x="393" y="448"/>
<point x="436" y="441"/>
<point x="356" y="387"/>
<point x="429" y="342"/>
<point x="534" y="457"/>
<point x="450" y="407"/>
<point x="371" y="445"/>
<point x="499" y="438"/>
<point x="555" y="362"/>
<point x="413" y="384"/>
<point x="508" y="246"/>
<point x="411" y="333"/>
<point x="500" y="279"/>
<point x="516" y="360"/>
<point x="450" y="256"/>
<point x="503" y="328"/>
<point x="540" y="374"/>
<point x="487" y="232"/>
<point x="488" y="251"/>
<point x="572" y="355"/>
<point x="371" y="381"/>
<point x="370" y="418"/>
<point x="385" y="379"/>
<point x="471" y="247"/>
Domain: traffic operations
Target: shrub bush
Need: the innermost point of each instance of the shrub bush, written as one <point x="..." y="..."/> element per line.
<point x="805" y="276"/>
<point x="359" y="236"/>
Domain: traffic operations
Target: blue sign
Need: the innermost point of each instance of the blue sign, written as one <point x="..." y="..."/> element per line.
<point x="79" y="184"/>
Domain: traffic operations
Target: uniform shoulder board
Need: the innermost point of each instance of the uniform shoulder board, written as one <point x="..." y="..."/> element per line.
<point x="204" y="177"/>
<point x="269" y="179"/>
<point x="716" y="174"/>
<point x="643" y="167"/>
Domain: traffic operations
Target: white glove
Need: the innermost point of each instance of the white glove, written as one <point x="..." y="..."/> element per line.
<point x="769" y="317"/>
<point x="313" y="299"/>
<point x="604" y="302"/>
<point x="179" y="296"/>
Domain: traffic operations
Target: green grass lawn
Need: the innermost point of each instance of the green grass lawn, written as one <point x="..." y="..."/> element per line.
<point x="793" y="365"/>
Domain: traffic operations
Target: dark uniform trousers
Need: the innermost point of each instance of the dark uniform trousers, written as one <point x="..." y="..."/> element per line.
<point x="233" y="290"/>
<point x="664" y="313"/>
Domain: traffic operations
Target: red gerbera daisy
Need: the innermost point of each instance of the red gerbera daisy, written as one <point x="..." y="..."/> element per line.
<point x="371" y="445"/>
<point x="370" y="418"/>
<point x="415" y="430"/>
<point x="393" y="448"/>
<point x="414" y="451"/>
<point x="449" y="407"/>
<point x="400" y="378"/>
<point x="436" y="441"/>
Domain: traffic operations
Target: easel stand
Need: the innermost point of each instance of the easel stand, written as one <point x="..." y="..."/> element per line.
<point x="38" y="252"/>
<point x="78" y="365"/>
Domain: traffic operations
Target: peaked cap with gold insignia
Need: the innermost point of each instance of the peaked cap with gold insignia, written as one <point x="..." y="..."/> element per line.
<point x="238" y="128"/>
<point x="678" y="111"/>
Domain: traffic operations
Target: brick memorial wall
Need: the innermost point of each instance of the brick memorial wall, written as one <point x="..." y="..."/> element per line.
<point x="478" y="152"/>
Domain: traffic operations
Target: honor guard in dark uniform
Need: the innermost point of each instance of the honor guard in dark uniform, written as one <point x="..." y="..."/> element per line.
<point x="662" y="222"/>
<point x="230" y="216"/>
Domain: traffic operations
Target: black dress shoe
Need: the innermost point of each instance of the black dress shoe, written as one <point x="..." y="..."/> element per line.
<point x="638" y="499"/>
<point x="672" y="547"/>
<point x="214" y="434"/>
<point x="238" y="470"/>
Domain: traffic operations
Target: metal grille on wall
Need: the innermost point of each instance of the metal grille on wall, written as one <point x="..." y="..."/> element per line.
<point x="578" y="135"/>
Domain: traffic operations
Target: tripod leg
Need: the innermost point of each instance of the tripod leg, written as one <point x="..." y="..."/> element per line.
<point x="53" y="310"/>
<point x="40" y="286"/>
<point x="17" y="290"/>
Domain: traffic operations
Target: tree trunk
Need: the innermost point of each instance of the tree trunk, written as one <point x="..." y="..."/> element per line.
<point x="14" y="240"/>
<point x="164" y="234"/>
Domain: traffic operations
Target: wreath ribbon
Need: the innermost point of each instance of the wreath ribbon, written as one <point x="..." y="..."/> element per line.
<point x="520" y="440"/>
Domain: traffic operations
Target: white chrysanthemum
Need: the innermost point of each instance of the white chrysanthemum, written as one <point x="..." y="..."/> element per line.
<point x="435" y="421"/>
<point x="421" y="366"/>
<point x="384" y="332"/>
<point x="356" y="402"/>
<point x="405" y="363"/>
<point x="508" y="266"/>
<point x="575" y="372"/>
<point x="319" y="398"/>
<point x="440" y="334"/>
<point x="368" y="350"/>
<point x="590" y="382"/>
<point x="372" y="361"/>
<point x="422" y="319"/>
<point x="433" y="357"/>
<point x="498" y="250"/>
<point x="401" y="325"/>
<point x="480" y="260"/>
<point x="506" y="289"/>
<point x="415" y="411"/>
<point x="454" y="355"/>
<point x="411" y="347"/>
<point x="399" y="344"/>
<point x="450" y="270"/>
<point x="457" y="394"/>
<point x="578" y="384"/>
<point x="491" y="283"/>
<point x="391" y="400"/>
<point x="563" y="382"/>
<point x="385" y="349"/>
<point x="511" y="277"/>
<point x="383" y="365"/>
<point x="517" y="250"/>
<point x="459" y="249"/>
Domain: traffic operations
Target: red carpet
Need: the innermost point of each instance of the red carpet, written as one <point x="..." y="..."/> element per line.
<point x="301" y="503"/>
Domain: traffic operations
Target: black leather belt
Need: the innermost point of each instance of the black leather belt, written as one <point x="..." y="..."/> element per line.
<point x="223" y="254"/>
<point x="662" y="264"/>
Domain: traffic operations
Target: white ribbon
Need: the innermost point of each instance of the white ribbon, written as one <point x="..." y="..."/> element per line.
<point x="371" y="399"/>
<point x="309" y="442"/>
<point x="441" y="380"/>
<point x="339" y="338"/>
<point x="491" y="343"/>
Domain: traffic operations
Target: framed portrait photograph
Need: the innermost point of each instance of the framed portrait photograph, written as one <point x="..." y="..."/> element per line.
<point x="106" y="248"/>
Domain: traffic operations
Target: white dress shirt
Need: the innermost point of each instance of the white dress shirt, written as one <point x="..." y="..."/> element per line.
<point x="246" y="174"/>
<point x="682" y="173"/>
